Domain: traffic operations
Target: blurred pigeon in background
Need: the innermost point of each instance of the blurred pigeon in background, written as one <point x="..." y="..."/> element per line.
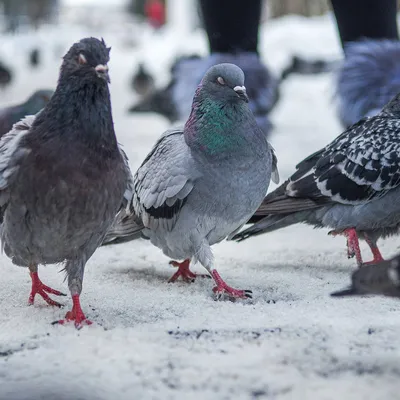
<point x="63" y="176"/>
<point x="382" y="278"/>
<point x="10" y="115"/>
<point x="34" y="58"/>
<point x="301" y="66"/>
<point x="368" y="79"/>
<point x="351" y="186"/>
<point x="187" y="73"/>
<point x="142" y="81"/>
<point x="5" y="76"/>
<point x="200" y="184"/>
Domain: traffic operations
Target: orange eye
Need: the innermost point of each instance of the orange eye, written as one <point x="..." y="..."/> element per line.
<point x="221" y="80"/>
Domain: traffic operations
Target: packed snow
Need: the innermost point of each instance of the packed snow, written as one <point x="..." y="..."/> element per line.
<point x="154" y="340"/>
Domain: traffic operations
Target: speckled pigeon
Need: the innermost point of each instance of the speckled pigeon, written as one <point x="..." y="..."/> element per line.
<point x="382" y="278"/>
<point x="368" y="78"/>
<point x="63" y="175"/>
<point x="200" y="184"/>
<point x="351" y="186"/>
<point x="10" y="115"/>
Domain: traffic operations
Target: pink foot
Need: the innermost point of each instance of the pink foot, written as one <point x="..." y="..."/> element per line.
<point x="353" y="245"/>
<point x="184" y="272"/>
<point x="375" y="252"/>
<point x="222" y="288"/>
<point x="76" y="315"/>
<point x="41" y="289"/>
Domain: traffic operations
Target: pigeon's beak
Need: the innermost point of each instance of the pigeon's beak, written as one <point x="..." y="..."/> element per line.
<point x="241" y="92"/>
<point x="102" y="72"/>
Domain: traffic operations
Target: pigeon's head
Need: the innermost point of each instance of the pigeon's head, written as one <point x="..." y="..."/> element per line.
<point x="225" y="81"/>
<point x="87" y="59"/>
<point x="40" y="97"/>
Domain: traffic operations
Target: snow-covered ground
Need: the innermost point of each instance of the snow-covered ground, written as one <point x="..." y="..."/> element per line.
<point x="153" y="340"/>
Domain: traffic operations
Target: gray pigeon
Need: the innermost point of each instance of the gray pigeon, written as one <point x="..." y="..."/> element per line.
<point x="351" y="186"/>
<point x="368" y="78"/>
<point x="63" y="176"/>
<point x="11" y="115"/>
<point x="200" y="184"/>
<point x="382" y="278"/>
<point x="142" y="81"/>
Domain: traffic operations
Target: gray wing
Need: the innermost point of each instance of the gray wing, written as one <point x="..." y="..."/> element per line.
<point x="11" y="154"/>
<point x="128" y="194"/>
<point x="164" y="181"/>
<point x="361" y="164"/>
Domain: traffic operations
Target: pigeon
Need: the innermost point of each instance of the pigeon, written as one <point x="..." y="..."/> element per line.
<point x="351" y="186"/>
<point x="368" y="79"/>
<point x="5" y="75"/>
<point x="142" y="81"/>
<point x="174" y="101"/>
<point x="34" y="57"/>
<point x="63" y="176"/>
<point x="382" y="278"/>
<point x="10" y="115"/>
<point x="303" y="66"/>
<point x="193" y="189"/>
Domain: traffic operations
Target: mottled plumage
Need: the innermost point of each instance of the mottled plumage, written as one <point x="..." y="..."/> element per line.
<point x="351" y="184"/>
<point x="62" y="175"/>
<point x="368" y="78"/>
<point x="193" y="189"/>
<point x="11" y="115"/>
<point x="382" y="278"/>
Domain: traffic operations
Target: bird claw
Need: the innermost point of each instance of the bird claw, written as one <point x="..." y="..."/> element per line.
<point x="42" y="290"/>
<point x="225" y="290"/>
<point x="184" y="272"/>
<point x="76" y="315"/>
<point x="77" y="323"/>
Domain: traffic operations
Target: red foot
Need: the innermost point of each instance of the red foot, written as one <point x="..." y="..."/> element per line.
<point x="39" y="288"/>
<point x="353" y="245"/>
<point x="76" y="314"/>
<point x="375" y="252"/>
<point x="184" y="272"/>
<point x="222" y="288"/>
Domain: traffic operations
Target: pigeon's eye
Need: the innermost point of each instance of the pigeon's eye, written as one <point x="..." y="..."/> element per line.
<point x="221" y="80"/>
<point x="82" y="59"/>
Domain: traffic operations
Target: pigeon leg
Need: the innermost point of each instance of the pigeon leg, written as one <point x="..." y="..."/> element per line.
<point x="76" y="314"/>
<point x="75" y="270"/>
<point x="41" y="289"/>
<point x="375" y="251"/>
<point x="184" y="272"/>
<point x="353" y="245"/>
<point x="222" y="288"/>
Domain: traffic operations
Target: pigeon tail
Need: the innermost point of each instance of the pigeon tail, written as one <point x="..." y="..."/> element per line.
<point x="124" y="229"/>
<point x="271" y="223"/>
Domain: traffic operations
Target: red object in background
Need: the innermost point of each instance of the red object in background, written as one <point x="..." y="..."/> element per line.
<point x="155" y="12"/>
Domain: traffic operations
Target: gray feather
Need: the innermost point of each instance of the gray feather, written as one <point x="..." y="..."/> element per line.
<point x="201" y="183"/>
<point x="382" y="278"/>
<point x="368" y="78"/>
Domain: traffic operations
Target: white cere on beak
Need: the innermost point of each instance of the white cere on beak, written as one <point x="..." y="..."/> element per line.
<point x="82" y="59"/>
<point x="101" y="68"/>
<point x="239" y="88"/>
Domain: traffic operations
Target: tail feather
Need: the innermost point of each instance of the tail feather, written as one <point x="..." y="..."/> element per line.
<point x="124" y="229"/>
<point x="271" y="223"/>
